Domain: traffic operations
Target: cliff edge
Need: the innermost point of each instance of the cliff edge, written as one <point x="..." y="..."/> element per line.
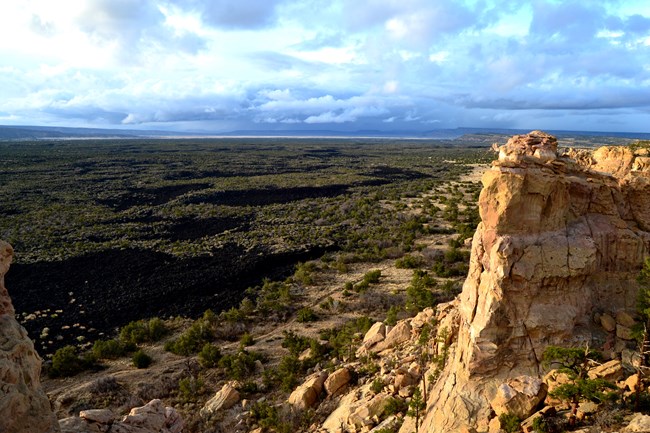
<point x="24" y="407"/>
<point x="562" y="238"/>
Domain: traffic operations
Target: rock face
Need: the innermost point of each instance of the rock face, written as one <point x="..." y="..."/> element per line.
<point x="562" y="237"/>
<point x="153" y="417"/>
<point x="225" y="398"/>
<point x="306" y="395"/>
<point x="23" y="404"/>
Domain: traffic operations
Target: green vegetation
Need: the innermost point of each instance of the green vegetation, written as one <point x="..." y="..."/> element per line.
<point x="66" y="362"/>
<point x="418" y="294"/>
<point x="111" y="349"/>
<point x="141" y="360"/>
<point x="344" y="340"/>
<point x="306" y="314"/>
<point x="510" y="423"/>
<point x="240" y="365"/>
<point x="143" y="331"/>
<point x="209" y="355"/>
<point x="416" y="407"/>
<point x="576" y="363"/>
<point x="202" y="331"/>
<point x="409" y="262"/>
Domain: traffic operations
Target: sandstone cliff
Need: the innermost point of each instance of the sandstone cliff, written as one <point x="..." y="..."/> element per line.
<point x="23" y="404"/>
<point x="562" y="238"/>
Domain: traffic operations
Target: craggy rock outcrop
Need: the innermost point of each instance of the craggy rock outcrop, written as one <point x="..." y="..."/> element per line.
<point x="562" y="238"/>
<point x="153" y="417"/>
<point x="23" y="404"/>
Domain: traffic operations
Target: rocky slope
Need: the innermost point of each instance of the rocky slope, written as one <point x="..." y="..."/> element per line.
<point x="561" y="240"/>
<point x="24" y="407"/>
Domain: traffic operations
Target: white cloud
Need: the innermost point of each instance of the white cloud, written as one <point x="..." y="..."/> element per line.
<point x="222" y="63"/>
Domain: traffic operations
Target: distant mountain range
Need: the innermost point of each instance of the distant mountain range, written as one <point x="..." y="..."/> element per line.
<point x="28" y="132"/>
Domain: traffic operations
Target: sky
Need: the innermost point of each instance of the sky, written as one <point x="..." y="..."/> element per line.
<point x="344" y="65"/>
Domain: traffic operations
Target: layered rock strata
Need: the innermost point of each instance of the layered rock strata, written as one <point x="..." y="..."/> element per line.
<point x="24" y="407"/>
<point x="562" y="238"/>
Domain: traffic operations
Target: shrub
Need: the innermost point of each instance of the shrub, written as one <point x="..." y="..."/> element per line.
<point x="141" y="359"/>
<point x="391" y="315"/>
<point x="142" y="331"/>
<point x="306" y="315"/>
<point x="195" y="337"/>
<point x="418" y="295"/>
<point x="303" y="274"/>
<point x="344" y="340"/>
<point x="408" y="262"/>
<point x="111" y="349"/>
<point x="66" y="362"/>
<point x="232" y="315"/>
<point x="285" y="375"/>
<point x="190" y="388"/>
<point x="377" y="386"/>
<point x="246" y="340"/>
<point x="372" y="277"/>
<point x="295" y="343"/>
<point x="395" y="406"/>
<point x="240" y="365"/>
<point x="209" y="355"/>
<point x="510" y="423"/>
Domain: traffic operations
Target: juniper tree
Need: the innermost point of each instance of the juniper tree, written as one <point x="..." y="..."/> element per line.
<point x="576" y="363"/>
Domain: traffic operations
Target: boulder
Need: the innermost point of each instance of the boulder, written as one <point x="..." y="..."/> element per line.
<point x="399" y="334"/>
<point x="527" y="424"/>
<point x="337" y="380"/>
<point x="624" y="333"/>
<point x="375" y="334"/>
<point x="625" y="319"/>
<point x="404" y="379"/>
<point x="608" y="323"/>
<point x="225" y="398"/>
<point x="422" y="318"/>
<point x="306" y="395"/>
<point x="367" y="413"/>
<point x="640" y="423"/>
<point x="153" y="417"/>
<point x="519" y="396"/>
<point x="24" y="407"/>
<point x="611" y="370"/>
<point x="102" y="416"/>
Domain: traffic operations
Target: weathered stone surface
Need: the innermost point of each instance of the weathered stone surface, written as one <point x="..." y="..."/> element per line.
<point x="364" y="414"/>
<point x="401" y="333"/>
<point x="375" y="334"/>
<point x="306" y="395"/>
<point x="624" y="333"/>
<point x="102" y="416"/>
<point x="225" y="398"/>
<point x="153" y="417"/>
<point x="340" y="415"/>
<point x="404" y="379"/>
<point x="608" y="323"/>
<point x="337" y="380"/>
<point x="640" y="423"/>
<point x="559" y="239"/>
<point x="519" y="396"/>
<point x="612" y="371"/>
<point x="24" y="407"/>
<point x="625" y="319"/>
<point x="527" y="424"/>
<point x="422" y="318"/>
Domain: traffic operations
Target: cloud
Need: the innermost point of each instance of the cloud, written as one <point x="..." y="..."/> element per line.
<point x="345" y="63"/>
<point x="228" y="14"/>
